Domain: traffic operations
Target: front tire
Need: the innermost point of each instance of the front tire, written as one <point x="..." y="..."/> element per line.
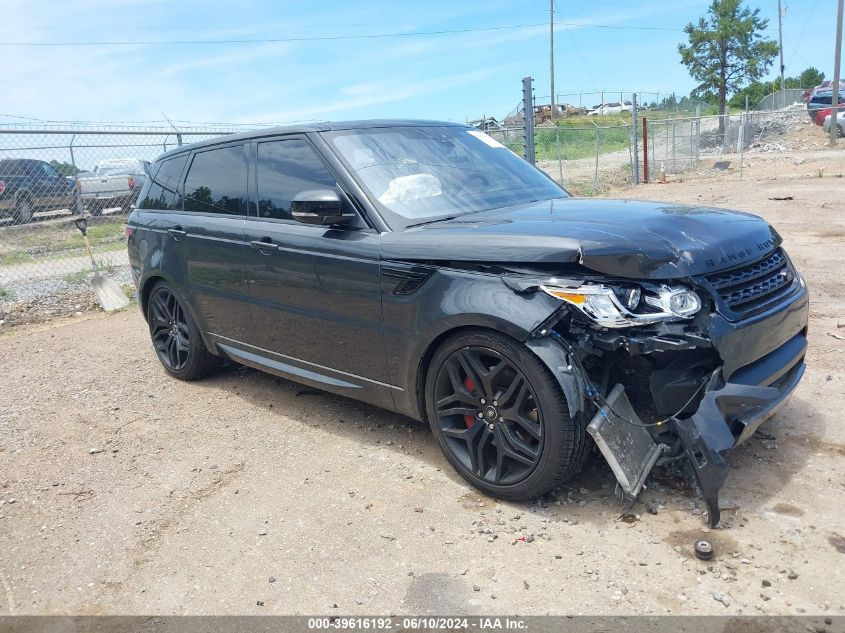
<point x="500" y="417"/>
<point x="176" y="338"/>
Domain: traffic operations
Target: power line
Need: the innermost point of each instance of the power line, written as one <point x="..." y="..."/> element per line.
<point x="803" y="31"/>
<point x="271" y="40"/>
<point x="260" y="27"/>
<point x="326" y="38"/>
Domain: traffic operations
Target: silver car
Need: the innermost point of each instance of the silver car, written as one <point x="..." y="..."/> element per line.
<point x="840" y="123"/>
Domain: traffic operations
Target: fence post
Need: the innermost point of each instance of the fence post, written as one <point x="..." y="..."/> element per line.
<point x="645" y="150"/>
<point x="559" y="152"/>
<point x="72" y="158"/>
<point x="528" y="119"/>
<point x="597" y="153"/>
<point x="692" y="147"/>
<point x="697" y="133"/>
<point x="741" y="141"/>
<point x="635" y="161"/>
<point x="674" y="151"/>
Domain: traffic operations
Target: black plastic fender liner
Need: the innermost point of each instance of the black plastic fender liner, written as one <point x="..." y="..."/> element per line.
<point x="567" y="374"/>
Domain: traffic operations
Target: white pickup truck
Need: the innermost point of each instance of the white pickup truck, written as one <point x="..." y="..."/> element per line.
<point x="113" y="183"/>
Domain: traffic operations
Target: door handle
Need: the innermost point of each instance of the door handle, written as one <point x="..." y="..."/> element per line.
<point x="264" y="245"/>
<point x="177" y="233"/>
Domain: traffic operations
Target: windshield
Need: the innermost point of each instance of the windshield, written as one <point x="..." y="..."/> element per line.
<point x="421" y="174"/>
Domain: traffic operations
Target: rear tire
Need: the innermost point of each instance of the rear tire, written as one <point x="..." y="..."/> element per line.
<point x="23" y="211"/>
<point x="176" y="338"/>
<point x="95" y="208"/>
<point x="500" y="416"/>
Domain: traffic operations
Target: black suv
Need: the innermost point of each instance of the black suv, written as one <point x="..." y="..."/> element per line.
<point x="425" y="268"/>
<point x="28" y="186"/>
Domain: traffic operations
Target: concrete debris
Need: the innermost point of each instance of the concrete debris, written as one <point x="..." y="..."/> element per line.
<point x="718" y="596"/>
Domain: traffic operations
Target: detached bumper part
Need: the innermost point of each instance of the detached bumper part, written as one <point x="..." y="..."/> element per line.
<point x="730" y="411"/>
<point x="728" y="414"/>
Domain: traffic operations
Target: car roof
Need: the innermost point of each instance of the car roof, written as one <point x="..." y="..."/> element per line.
<point x="305" y="128"/>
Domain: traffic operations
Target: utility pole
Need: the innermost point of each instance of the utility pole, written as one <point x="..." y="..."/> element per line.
<point x="552" y="52"/>
<point x="834" y="114"/>
<point x="780" y="43"/>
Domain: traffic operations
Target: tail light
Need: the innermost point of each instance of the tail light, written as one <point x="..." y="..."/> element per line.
<point x="130" y="231"/>
<point x="2" y="186"/>
<point x="131" y="182"/>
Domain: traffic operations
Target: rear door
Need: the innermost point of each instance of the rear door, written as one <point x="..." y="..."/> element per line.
<point x="205" y="238"/>
<point x="316" y="299"/>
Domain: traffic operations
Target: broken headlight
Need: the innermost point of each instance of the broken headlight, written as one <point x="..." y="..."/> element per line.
<point x="628" y="306"/>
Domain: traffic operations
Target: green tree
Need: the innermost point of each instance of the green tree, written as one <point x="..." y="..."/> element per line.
<point x="726" y="49"/>
<point x="756" y="90"/>
<point x="810" y="78"/>
<point x="65" y="169"/>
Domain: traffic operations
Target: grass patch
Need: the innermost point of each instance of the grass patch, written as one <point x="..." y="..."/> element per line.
<point x="36" y="243"/>
<point x="86" y="273"/>
<point x="571" y="143"/>
<point x="5" y="295"/>
<point x="77" y="277"/>
<point x="15" y="257"/>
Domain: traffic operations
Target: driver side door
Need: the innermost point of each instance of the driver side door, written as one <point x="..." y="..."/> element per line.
<point x="315" y="292"/>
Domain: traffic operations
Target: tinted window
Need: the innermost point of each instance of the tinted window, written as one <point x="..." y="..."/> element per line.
<point x="162" y="192"/>
<point x="286" y="168"/>
<point x="49" y="170"/>
<point x="216" y="181"/>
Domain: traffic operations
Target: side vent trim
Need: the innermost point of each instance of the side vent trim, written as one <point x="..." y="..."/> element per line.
<point x="409" y="277"/>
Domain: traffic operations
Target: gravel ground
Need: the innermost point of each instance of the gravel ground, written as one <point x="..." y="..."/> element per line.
<point x="123" y="491"/>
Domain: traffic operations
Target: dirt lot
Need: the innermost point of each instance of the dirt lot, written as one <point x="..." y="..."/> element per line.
<point x="123" y="491"/>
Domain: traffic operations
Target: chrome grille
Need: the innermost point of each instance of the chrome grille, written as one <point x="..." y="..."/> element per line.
<point x="752" y="287"/>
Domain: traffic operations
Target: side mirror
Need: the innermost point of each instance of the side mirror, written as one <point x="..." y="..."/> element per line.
<point x="319" y="206"/>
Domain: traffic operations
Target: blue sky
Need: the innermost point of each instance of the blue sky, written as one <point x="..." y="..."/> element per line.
<point x="450" y="76"/>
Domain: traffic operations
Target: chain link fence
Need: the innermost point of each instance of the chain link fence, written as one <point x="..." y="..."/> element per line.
<point x="677" y="145"/>
<point x="588" y="156"/>
<point x="781" y="99"/>
<point x="584" y="158"/>
<point x="51" y="175"/>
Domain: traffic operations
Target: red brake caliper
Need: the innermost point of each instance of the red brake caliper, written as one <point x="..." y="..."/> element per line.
<point x="469" y="420"/>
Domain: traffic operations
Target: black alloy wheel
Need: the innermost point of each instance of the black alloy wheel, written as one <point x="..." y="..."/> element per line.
<point x="488" y="412"/>
<point x="500" y="417"/>
<point x="169" y="329"/>
<point x="176" y="339"/>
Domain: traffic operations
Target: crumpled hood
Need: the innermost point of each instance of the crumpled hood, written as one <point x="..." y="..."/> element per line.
<point x="625" y="238"/>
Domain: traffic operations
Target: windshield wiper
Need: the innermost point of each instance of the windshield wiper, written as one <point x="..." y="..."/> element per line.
<point x="443" y="219"/>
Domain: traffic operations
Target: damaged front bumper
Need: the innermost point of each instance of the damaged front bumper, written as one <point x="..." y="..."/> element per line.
<point x="739" y="398"/>
<point x="756" y="364"/>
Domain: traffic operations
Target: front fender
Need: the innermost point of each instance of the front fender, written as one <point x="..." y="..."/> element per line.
<point x="450" y="299"/>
